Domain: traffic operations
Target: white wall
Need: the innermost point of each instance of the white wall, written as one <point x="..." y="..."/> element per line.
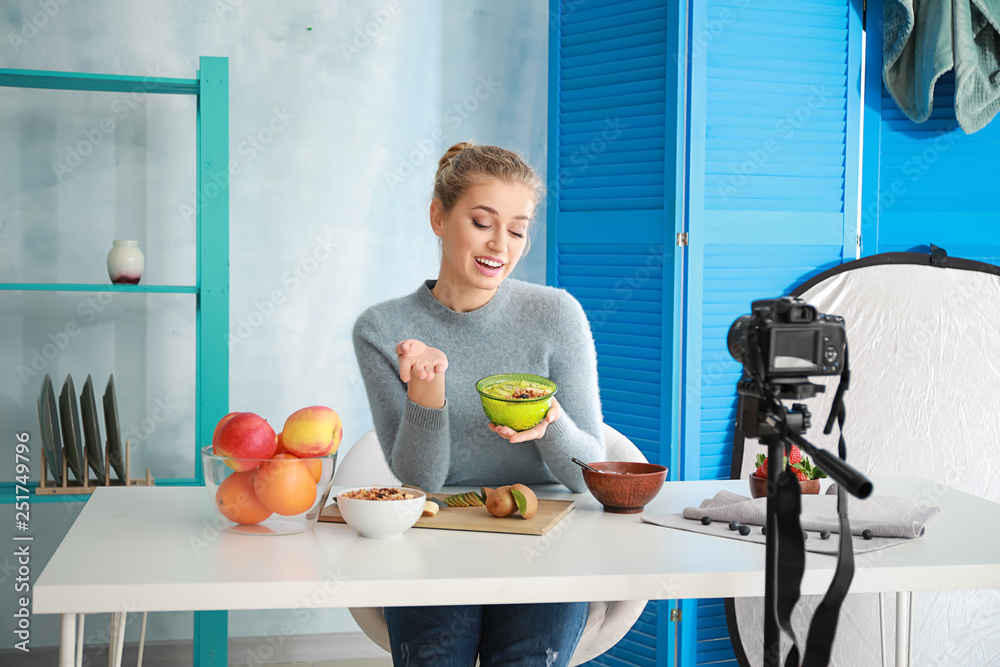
<point x="328" y="210"/>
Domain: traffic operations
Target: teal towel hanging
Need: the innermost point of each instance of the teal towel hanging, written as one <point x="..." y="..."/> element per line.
<point x="923" y="40"/>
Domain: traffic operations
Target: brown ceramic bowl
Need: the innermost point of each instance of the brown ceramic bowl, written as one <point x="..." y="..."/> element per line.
<point x="758" y="486"/>
<point x="624" y="487"/>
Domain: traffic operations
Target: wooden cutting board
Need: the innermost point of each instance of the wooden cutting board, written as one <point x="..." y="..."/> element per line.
<point x="549" y="513"/>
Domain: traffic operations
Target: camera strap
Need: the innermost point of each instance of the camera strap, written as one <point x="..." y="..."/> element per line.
<point x="819" y="644"/>
<point x="792" y="553"/>
<point x="791" y="556"/>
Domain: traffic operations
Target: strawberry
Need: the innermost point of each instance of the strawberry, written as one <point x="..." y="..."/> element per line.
<point x="796" y="455"/>
<point x="805" y="470"/>
<point x="761" y="466"/>
<point x="800" y="473"/>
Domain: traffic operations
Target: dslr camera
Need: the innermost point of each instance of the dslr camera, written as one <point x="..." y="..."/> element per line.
<point x="790" y="338"/>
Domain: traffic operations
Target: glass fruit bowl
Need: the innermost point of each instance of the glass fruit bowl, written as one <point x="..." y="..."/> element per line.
<point x="277" y="496"/>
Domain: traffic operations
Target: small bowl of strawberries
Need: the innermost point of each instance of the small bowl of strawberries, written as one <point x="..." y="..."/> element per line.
<point x="808" y="474"/>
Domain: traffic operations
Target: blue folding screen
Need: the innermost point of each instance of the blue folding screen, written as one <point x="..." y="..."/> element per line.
<point x="928" y="182"/>
<point x="774" y="138"/>
<point x="611" y="218"/>
<point x="746" y="138"/>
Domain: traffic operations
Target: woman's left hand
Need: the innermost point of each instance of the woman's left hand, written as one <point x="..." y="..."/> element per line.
<point x="532" y="433"/>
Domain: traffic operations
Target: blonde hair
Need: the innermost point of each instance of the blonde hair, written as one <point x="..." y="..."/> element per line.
<point x="465" y="164"/>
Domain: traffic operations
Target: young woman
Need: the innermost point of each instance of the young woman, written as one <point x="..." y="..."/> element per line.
<point x="420" y="357"/>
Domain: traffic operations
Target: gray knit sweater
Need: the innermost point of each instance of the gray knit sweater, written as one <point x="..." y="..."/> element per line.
<point x="525" y="328"/>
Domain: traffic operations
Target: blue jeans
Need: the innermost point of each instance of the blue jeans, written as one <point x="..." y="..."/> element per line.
<point x="518" y="634"/>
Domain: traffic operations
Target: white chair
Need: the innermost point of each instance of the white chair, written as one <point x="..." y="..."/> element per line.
<point x="607" y="622"/>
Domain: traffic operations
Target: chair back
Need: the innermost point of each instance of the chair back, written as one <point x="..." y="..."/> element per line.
<point x="364" y="464"/>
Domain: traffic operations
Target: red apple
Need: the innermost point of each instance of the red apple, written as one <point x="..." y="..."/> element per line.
<point x="245" y="436"/>
<point x="312" y="431"/>
<point x="218" y="427"/>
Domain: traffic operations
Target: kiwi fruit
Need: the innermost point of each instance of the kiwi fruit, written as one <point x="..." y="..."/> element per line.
<point x="467" y="499"/>
<point x="526" y="500"/>
<point x="500" y="502"/>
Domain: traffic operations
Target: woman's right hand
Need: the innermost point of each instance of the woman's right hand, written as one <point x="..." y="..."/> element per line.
<point x="417" y="360"/>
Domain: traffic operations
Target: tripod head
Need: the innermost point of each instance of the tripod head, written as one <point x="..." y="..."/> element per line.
<point x="758" y="413"/>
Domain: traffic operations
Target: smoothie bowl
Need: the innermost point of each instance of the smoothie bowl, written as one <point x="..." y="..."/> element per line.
<point x="516" y="400"/>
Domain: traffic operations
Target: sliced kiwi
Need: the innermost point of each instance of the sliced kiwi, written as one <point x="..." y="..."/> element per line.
<point x="467" y="499"/>
<point x="526" y="500"/>
<point x="522" y="502"/>
<point x="455" y="500"/>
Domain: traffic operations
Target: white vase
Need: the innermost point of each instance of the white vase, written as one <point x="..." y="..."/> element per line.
<point x="125" y="263"/>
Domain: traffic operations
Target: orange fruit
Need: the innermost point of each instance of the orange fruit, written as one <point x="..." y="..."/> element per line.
<point x="237" y="500"/>
<point x="285" y="485"/>
<point x="315" y="467"/>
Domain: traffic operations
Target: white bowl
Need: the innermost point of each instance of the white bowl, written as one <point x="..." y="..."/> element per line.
<point x="381" y="518"/>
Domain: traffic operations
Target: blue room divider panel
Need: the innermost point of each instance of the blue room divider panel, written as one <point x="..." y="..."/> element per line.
<point x="928" y="182"/>
<point x="774" y="136"/>
<point x="611" y="223"/>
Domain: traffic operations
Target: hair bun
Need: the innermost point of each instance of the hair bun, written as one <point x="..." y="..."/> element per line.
<point x="452" y="152"/>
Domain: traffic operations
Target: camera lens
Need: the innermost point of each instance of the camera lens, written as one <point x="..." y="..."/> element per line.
<point x="736" y="339"/>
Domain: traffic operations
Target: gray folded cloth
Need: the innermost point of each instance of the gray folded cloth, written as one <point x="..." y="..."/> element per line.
<point x="885" y="516"/>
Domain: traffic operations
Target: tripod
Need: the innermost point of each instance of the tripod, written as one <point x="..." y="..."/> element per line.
<point x="763" y="417"/>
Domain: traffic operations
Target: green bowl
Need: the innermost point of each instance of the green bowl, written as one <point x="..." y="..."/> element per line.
<point x="519" y="414"/>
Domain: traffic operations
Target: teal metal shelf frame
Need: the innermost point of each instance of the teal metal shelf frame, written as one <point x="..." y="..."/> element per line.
<point x="88" y="287"/>
<point x="211" y="292"/>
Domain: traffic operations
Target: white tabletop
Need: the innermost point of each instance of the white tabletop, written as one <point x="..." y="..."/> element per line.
<point x="156" y="549"/>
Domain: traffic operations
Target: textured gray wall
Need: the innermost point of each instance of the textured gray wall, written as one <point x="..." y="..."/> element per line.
<point x="328" y="210"/>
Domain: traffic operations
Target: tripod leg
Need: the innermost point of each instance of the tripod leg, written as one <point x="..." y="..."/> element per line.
<point x="772" y="634"/>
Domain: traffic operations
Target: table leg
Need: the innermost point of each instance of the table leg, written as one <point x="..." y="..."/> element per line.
<point x="112" y="638"/>
<point x="909" y="632"/>
<point x="142" y="640"/>
<point x="117" y="643"/>
<point x="67" y="640"/>
<point x="902" y="638"/>
<point x="79" y="640"/>
<point x="881" y="629"/>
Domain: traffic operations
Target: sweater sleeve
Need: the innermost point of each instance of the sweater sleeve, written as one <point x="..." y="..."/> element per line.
<point x="573" y="367"/>
<point x="414" y="439"/>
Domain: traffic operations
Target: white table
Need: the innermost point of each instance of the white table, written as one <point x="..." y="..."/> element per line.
<point x="157" y="549"/>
